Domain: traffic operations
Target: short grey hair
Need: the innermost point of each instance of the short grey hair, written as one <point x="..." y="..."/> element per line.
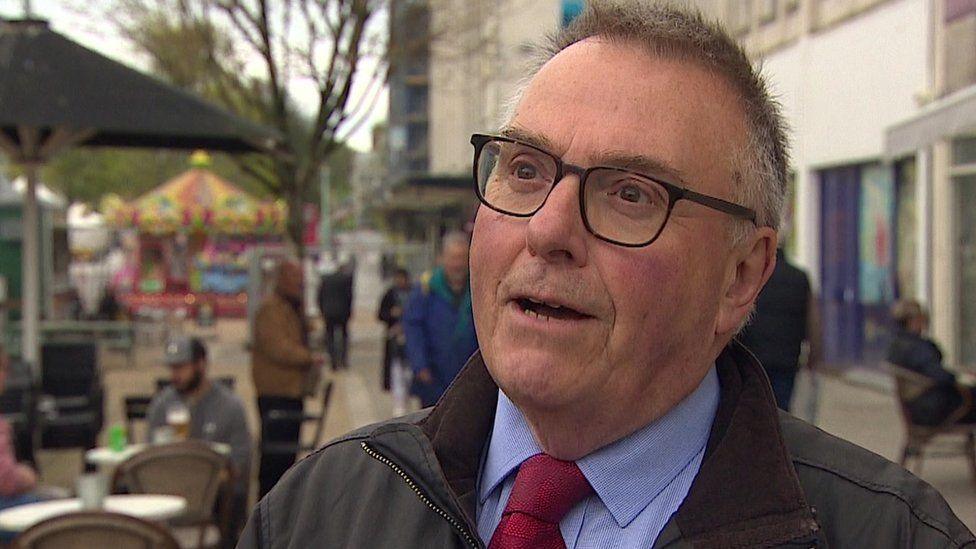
<point x="760" y="168"/>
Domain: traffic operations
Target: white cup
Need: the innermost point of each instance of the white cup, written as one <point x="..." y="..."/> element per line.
<point x="91" y="489"/>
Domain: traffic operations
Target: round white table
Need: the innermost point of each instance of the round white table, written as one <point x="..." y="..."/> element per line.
<point x="106" y="456"/>
<point x="146" y="506"/>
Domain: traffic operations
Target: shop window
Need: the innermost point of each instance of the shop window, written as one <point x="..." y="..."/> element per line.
<point x="966" y="223"/>
<point x="964" y="151"/>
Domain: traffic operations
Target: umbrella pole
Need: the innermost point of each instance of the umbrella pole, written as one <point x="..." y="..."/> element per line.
<point x="31" y="280"/>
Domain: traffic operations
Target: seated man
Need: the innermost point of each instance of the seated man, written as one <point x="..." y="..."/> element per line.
<point x="216" y="413"/>
<point x="946" y="400"/>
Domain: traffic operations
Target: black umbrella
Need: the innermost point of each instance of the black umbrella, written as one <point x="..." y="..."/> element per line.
<point x="55" y="93"/>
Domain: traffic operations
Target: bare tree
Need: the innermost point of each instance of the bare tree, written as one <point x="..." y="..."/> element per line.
<point x="254" y="56"/>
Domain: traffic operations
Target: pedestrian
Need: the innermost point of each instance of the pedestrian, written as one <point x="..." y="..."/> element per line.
<point x="216" y="414"/>
<point x="335" y="305"/>
<point x="438" y="324"/>
<point x="786" y="316"/>
<point x="628" y="220"/>
<point x="283" y="367"/>
<point x="390" y="313"/>
<point x="946" y="400"/>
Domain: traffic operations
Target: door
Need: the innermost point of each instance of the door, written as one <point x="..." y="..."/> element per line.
<point x="840" y="299"/>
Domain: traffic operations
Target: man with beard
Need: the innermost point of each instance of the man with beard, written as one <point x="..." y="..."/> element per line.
<point x="216" y="413"/>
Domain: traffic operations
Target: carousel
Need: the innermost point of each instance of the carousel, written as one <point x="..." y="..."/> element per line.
<point x="193" y="236"/>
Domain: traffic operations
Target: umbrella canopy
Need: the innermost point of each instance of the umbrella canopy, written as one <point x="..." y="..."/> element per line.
<point x="48" y="82"/>
<point x="55" y="93"/>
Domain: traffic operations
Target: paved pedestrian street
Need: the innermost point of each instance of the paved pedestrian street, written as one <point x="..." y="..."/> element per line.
<point x="856" y="407"/>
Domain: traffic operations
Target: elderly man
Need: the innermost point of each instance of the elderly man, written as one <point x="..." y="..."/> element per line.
<point x="437" y="322"/>
<point x="283" y="365"/>
<point x="628" y="221"/>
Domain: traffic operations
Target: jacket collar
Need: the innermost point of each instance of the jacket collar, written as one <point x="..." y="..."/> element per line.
<point x="746" y="493"/>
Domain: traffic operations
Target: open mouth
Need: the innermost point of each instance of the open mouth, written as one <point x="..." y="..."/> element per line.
<point x="546" y="311"/>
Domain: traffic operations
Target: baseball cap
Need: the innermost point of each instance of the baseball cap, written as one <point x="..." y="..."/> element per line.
<point x="179" y="350"/>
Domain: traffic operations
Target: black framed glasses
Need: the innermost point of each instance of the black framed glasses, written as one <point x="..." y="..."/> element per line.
<point x="619" y="206"/>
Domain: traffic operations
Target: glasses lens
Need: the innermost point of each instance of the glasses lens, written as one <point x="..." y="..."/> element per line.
<point x="514" y="178"/>
<point x="624" y="207"/>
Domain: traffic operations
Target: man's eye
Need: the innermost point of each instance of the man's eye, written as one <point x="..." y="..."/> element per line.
<point x="526" y="171"/>
<point x="631" y="193"/>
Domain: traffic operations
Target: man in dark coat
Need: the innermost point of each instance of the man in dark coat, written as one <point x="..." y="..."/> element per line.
<point x="628" y="220"/>
<point x="786" y="317"/>
<point x="335" y="305"/>
<point x="392" y="304"/>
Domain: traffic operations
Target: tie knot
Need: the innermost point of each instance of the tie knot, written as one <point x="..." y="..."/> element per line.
<point x="547" y="488"/>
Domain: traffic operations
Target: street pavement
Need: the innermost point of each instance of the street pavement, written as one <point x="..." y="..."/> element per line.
<point x="858" y="406"/>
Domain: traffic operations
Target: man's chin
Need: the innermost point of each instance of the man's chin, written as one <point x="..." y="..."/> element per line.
<point x="535" y="378"/>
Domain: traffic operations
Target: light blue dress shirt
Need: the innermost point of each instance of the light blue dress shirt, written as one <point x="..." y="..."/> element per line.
<point x="639" y="481"/>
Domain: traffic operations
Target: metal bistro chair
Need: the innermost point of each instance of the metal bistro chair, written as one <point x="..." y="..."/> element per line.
<point x="910" y="385"/>
<point x="85" y="530"/>
<point x="136" y="409"/>
<point x="189" y="469"/>
<point x="288" y="417"/>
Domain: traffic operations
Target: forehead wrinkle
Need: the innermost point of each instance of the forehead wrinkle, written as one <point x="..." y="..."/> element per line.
<point x="645" y="164"/>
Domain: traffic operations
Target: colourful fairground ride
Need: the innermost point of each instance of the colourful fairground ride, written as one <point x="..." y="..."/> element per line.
<point x="195" y="235"/>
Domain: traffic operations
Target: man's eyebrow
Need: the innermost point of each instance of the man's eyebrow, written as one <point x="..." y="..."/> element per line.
<point x="647" y="165"/>
<point x="644" y="164"/>
<point x="524" y="136"/>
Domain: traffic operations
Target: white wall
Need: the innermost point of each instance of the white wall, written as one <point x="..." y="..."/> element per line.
<point x="840" y="89"/>
<point x="468" y="91"/>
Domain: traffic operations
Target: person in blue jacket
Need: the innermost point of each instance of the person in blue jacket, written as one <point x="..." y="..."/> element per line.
<point x="438" y="324"/>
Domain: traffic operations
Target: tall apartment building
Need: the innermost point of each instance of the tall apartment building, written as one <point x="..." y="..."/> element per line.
<point x="471" y="57"/>
<point x="881" y="99"/>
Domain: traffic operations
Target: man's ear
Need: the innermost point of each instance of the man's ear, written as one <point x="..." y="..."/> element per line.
<point x="751" y="264"/>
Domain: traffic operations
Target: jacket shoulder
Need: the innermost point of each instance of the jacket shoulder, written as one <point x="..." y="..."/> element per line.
<point x="322" y="494"/>
<point x="860" y="496"/>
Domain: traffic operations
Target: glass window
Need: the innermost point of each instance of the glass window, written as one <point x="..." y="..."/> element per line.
<point x="964" y="151"/>
<point x="966" y="221"/>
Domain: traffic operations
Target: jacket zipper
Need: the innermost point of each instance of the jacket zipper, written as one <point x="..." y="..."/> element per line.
<point x="413" y="486"/>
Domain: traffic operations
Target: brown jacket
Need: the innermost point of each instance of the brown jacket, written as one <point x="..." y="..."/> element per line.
<point x="280" y="361"/>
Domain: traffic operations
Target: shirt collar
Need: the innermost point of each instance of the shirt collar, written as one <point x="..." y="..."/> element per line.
<point x="627" y="474"/>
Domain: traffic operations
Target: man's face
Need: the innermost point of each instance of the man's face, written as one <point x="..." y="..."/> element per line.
<point x="401" y="282"/>
<point x="648" y="321"/>
<point x="455" y="261"/>
<point x="187" y="376"/>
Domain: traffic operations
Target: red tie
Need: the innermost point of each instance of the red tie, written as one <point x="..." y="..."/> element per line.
<point x="545" y="490"/>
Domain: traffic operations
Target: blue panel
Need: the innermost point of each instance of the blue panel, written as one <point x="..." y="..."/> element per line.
<point x="571" y="9"/>
<point x="842" y="315"/>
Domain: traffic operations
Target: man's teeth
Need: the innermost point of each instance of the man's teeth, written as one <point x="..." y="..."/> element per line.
<point x="534" y="314"/>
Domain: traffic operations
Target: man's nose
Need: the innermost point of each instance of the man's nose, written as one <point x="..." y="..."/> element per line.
<point x="556" y="232"/>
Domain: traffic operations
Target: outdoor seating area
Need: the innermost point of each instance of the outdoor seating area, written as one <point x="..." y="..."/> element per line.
<point x="949" y="439"/>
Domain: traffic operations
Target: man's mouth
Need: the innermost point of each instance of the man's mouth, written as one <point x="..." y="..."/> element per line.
<point x="546" y="311"/>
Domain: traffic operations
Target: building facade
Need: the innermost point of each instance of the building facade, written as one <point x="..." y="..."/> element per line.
<point x="880" y="99"/>
<point x="462" y="60"/>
